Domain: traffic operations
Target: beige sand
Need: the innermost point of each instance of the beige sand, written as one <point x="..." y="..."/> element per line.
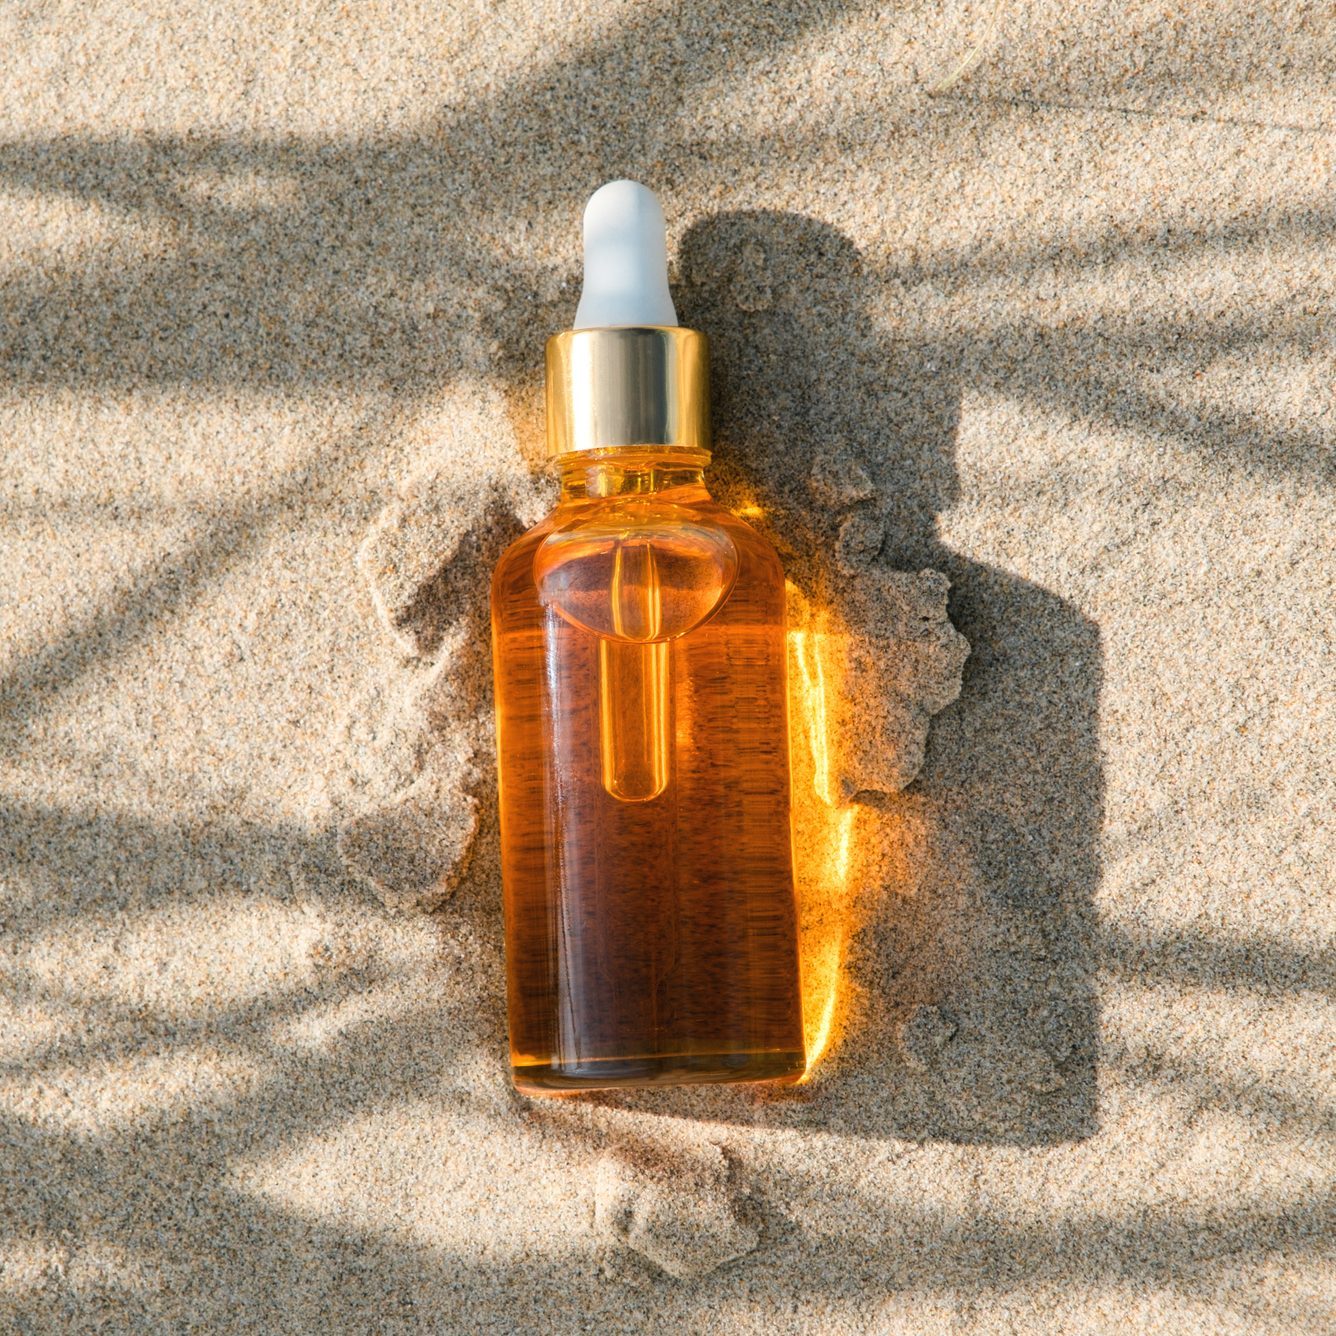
<point x="275" y="285"/>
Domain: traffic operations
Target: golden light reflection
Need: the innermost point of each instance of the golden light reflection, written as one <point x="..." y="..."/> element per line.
<point x="823" y="826"/>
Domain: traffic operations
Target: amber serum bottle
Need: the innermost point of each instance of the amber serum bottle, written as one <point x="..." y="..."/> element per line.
<point x="639" y="652"/>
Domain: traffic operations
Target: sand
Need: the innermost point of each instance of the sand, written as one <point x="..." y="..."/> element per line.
<point x="1022" y="340"/>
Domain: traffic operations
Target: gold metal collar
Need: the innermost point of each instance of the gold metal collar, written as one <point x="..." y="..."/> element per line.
<point x="626" y="386"/>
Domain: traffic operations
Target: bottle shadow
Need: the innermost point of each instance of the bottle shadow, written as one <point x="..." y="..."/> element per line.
<point x="967" y="1005"/>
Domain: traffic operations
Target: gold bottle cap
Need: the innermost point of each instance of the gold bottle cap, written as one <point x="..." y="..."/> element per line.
<point x="628" y="385"/>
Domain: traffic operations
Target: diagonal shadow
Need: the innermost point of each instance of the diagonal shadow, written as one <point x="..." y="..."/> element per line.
<point x="213" y="1253"/>
<point x="170" y="583"/>
<point x="318" y="288"/>
<point x="327" y="290"/>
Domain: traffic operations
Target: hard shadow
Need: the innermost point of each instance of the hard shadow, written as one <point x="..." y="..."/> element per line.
<point x="986" y="914"/>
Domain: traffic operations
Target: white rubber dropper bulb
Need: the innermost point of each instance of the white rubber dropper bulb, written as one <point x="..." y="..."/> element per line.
<point x="625" y="260"/>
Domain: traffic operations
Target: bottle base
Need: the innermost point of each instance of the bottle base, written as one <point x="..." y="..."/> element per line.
<point x="676" y="1069"/>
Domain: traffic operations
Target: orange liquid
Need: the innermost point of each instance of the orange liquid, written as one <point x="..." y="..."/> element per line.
<point x="640" y="661"/>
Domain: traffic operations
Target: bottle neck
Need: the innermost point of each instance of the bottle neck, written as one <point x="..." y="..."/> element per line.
<point x="630" y="471"/>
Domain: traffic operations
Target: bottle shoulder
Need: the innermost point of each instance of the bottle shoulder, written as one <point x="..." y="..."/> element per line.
<point x="757" y="558"/>
<point x="758" y="566"/>
<point x="518" y="556"/>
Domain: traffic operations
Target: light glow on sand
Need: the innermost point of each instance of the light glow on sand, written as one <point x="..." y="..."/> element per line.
<point x="823" y="834"/>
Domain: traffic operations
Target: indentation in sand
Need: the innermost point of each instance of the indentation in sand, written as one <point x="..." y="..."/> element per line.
<point x="418" y="741"/>
<point x="413" y="848"/>
<point x="682" y="1211"/>
<point x="924" y="1036"/>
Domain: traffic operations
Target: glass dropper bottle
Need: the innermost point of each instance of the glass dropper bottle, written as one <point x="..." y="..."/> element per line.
<point x="640" y="657"/>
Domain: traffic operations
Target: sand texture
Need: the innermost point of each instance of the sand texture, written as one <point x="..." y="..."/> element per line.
<point x="1022" y="340"/>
